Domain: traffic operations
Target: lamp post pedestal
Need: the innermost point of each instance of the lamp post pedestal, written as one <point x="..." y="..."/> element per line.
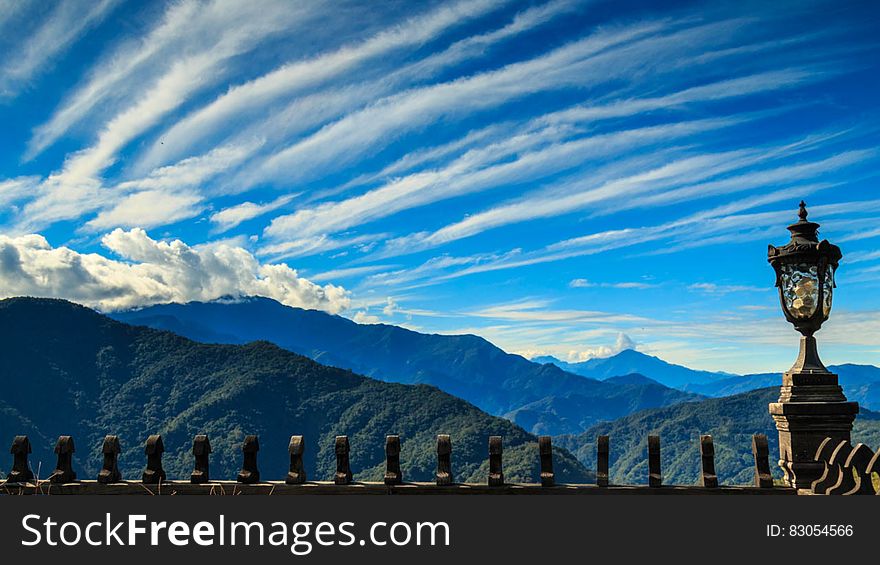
<point x="811" y="407"/>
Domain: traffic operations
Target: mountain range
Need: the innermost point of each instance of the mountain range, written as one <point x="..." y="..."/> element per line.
<point x="630" y="361"/>
<point x="860" y="382"/>
<point x="69" y="370"/>
<point x="540" y="397"/>
<point x="730" y="420"/>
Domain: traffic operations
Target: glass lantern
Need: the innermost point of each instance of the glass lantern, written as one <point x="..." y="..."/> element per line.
<point x="805" y="270"/>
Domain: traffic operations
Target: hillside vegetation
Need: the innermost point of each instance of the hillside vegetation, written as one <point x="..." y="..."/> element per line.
<point x="69" y="370"/>
<point x="731" y="421"/>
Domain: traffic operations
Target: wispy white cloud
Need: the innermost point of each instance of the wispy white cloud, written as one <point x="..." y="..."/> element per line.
<point x="536" y="310"/>
<point x="148" y="209"/>
<point x="305" y="246"/>
<point x="671" y="183"/>
<point x="167" y="195"/>
<point x="11" y="9"/>
<point x="183" y="39"/>
<point x="115" y="74"/>
<point x="73" y="187"/>
<point x="194" y="171"/>
<point x="720" y="90"/>
<point x="389" y="198"/>
<point x="470" y="173"/>
<point x="586" y="283"/>
<point x="228" y="218"/>
<point x="62" y="27"/>
<point x="13" y="190"/>
<point x="605" y="56"/>
<point x="338" y="274"/>
<point x="698" y="230"/>
<point x="290" y="79"/>
<point x="713" y="288"/>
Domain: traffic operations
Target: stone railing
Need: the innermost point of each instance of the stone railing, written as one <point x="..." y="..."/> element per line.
<point x="848" y="470"/>
<point x="63" y="480"/>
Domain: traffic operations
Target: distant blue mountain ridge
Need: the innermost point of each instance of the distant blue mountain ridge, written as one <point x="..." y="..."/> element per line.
<point x="630" y="361"/>
<point x="544" y="395"/>
<point x="860" y="382"/>
<point x="541" y="398"/>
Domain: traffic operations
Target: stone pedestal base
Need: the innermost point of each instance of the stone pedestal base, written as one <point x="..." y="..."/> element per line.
<point x="811" y="407"/>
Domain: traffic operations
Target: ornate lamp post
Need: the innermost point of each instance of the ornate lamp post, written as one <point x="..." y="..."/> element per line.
<point x="811" y="405"/>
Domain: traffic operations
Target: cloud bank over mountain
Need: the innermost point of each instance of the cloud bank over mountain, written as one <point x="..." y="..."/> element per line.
<point x="153" y="272"/>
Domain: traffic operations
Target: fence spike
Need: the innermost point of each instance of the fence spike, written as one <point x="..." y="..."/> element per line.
<point x="64" y="472"/>
<point x="761" y="454"/>
<point x="343" y="464"/>
<point x="297" y="473"/>
<point x="655" y="476"/>
<point x="249" y="473"/>
<point x="393" y="475"/>
<point x="444" y="460"/>
<point x="845" y="480"/>
<point x="154" y="473"/>
<point x="109" y="473"/>
<point x="823" y="455"/>
<point x="874" y="466"/>
<point x="201" y="451"/>
<point x="857" y="464"/>
<point x="21" y="471"/>
<point x="496" y="472"/>
<point x="545" y="448"/>
<point x="602" y="452"/>
<point x="708" y="478"/>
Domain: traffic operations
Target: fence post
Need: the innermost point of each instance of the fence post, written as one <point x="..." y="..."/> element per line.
<point x="761" y="454"/>
<point x="109" y="473"/>
<point x="655" y="476"/>
<point x="249" y="473"/>
<point x="545" y="448"/>
<point x="297" y="473"/>
<point x="602" y="452"/>
<point x="154" y="473"/>
<point x="444" y="460"/>
<point x="64" y="472"/>
<point x="343" y="465"/>
<point x="496" y="473"/>
<point x="393" y="475"/>
<point x="201" y="451"/>
<point x="21" y="471"/>
<point x="708" y="478"/>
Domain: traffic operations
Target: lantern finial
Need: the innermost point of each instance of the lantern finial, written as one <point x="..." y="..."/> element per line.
<point x="802" y="213"/>
<point x="804" y="231"/>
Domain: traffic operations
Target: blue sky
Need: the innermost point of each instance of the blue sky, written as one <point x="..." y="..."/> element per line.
<point x="561" y="177"/>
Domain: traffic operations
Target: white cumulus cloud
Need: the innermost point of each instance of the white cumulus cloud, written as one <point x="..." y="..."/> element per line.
<point x="622" y="343"/>
<point x="153" y="272"/>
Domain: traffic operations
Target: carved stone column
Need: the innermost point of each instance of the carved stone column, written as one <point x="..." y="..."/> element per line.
<point x="810" y="408"/>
